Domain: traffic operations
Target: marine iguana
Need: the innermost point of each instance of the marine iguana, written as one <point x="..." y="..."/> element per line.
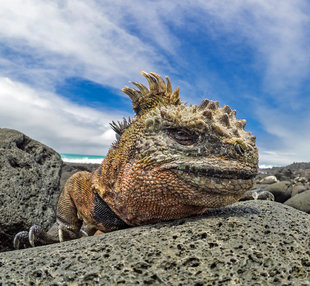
<point x="172" y="160"/>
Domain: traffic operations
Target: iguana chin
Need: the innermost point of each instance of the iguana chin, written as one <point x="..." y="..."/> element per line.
<point x="170" y="161"/>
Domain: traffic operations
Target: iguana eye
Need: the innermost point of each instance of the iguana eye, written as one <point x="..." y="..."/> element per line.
<point x="182" y="136"/>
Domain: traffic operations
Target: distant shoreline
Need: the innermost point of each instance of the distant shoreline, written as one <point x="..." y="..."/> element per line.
<point x="81" y="159"/>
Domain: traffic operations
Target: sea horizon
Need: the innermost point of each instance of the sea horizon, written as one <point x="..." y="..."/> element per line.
<point x="82" y="158"/>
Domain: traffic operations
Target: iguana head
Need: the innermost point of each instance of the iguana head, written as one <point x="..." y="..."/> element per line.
<point x="174" y="159"/>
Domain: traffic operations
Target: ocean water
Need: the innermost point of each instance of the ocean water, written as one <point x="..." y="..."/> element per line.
<point x="77" y="158"/>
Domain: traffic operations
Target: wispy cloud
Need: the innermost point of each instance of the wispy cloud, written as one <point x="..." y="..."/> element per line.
<point x="63" y="125"/>
<point x="111" y="42"/>
<point x="276" y="31"/>
<point x="72" y="38"/>
<point x="291" y="136"/>
<point x="46" y="42"/>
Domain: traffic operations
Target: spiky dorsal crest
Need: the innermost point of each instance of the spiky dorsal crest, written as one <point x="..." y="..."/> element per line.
<point x="159" y="93"/>
<point x="120" y="126"/>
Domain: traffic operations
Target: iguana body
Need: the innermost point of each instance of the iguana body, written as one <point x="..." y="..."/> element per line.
<point x="169" y="162"/>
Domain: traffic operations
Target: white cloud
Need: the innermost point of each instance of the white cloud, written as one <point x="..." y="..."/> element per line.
<point x="63" y="125"/>
<point x="277" y="32"/>
<point x="95" y="40"/>
<point x="72" y="38"/>
<point x="109" y="42"/>
<point x="291" y="136"/>
<point x="276" y="158"/>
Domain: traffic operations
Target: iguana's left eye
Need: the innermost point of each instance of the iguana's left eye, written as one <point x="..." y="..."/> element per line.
<point x="182" y="136"/>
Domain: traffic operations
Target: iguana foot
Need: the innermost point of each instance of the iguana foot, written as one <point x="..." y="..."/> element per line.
<point x="34" y="237"/>
<point x="37" y="236"/>
<point x="257" y="194"/>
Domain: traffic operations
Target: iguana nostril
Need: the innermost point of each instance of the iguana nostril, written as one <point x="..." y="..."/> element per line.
<point x="239" y="149"/>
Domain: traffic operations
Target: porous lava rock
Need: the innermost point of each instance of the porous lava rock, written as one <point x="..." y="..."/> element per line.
<point x="248" y="243"/>
<point x="29" y="185"/>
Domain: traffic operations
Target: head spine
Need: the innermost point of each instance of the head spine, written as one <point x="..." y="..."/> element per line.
<point x="158" y="94"/>
<point x="159" y="103"/>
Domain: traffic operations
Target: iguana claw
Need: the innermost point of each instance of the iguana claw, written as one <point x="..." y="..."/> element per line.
<point x="36" y="233"/>
<point x="21" y="238"/>
<point x="36" y="236"/>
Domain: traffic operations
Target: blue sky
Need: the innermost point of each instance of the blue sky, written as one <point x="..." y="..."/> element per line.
<point x="63" y="63"/>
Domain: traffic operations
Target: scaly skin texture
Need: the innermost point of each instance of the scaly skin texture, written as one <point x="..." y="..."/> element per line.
<point x="170" y="161"/>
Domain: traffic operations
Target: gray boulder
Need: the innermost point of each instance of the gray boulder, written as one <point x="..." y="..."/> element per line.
<point x="29" y="185"/>
<point x="300" y="201"/>
<point x="299" y="188"/>
<point x="269" y="180"/>
<point x="282" y="191"/>
<point x="306" y="173"/>
<point x="249" y="243"/>
<point x="299" y="179"/>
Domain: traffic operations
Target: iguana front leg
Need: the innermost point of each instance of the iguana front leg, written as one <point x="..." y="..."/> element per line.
<point x="74" y="203"/>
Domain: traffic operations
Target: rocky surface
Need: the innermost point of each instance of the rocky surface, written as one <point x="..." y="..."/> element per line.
<point x="289" y="185"/>
<point x="300" y="201"/>
<point x="249" y="243"/>
<point x="32" y="176"/>
<point x="29" y="185"/>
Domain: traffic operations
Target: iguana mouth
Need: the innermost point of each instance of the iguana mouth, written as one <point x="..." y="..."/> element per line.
<point x="215" y="173"/>
<point x="214" y="180"/>
<point x="201" y="171"/>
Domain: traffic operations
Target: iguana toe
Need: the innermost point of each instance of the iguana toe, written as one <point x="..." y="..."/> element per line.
<point x="21" y="239"/>
<point x="37" y="235"/>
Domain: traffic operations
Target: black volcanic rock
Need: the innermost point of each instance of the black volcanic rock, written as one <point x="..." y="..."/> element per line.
<point x="29" y="185"/>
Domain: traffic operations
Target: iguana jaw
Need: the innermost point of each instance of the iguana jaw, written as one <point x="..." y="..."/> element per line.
<point x="229" y="179"/>
<point x="197" y="171"/>
<point x="216" y="185"/>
